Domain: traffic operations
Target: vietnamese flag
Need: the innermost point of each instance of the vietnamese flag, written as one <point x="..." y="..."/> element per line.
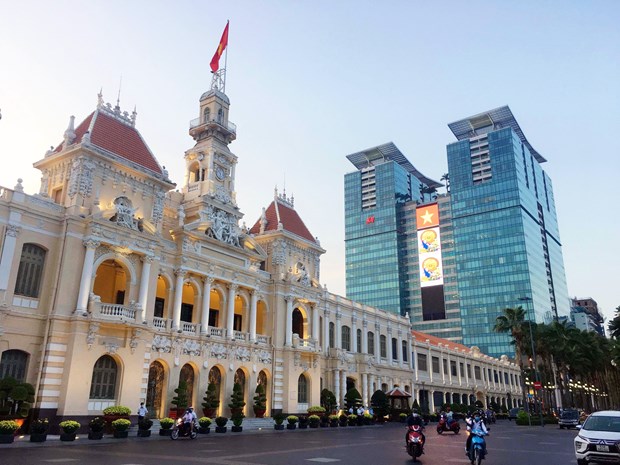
<point x="215" y="61"/>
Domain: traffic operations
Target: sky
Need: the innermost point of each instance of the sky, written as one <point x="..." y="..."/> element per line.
<point x="313" y="81"/>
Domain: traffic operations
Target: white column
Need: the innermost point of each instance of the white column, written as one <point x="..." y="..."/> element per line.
<point x="371" y="387"/>
<point x="354" y="333"/>
<point x="365" y="395"/>
<point x="389" y="346"/>
<point x="8" y="251"/>
<point x="206" y="303"/>
<point x="343" y="383"/>
<point x="377" y="346"/>
<point x="338" y="330"/>
<point x="364" y="336"/>
<point x="144" y="285"/>
<point x="315" y="324"/>
<point x="337" y="386"/>
<point x="230" y="316"/>
<point x="87" y="276"/>
<point x="399" y="348"/>
<point x="288" y="328"/>
<point x="326" y="314"/>
<point x="431" y="400"/>
<point x="253" y="304"/>
<point x="178" y="298"/>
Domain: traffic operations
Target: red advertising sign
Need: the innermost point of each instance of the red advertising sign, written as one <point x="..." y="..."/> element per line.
<point x="537" y="385"/>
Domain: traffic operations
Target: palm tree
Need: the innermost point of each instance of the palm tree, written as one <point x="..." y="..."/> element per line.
<point x="614" y="325"/>
<point x="446" y="177"/>
<point x="512" y="321"/>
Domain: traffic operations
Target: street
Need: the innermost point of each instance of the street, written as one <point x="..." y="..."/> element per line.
<point x="507" y="444"/>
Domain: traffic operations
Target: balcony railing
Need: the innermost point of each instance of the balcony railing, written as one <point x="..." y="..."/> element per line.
<point x="217" y="332"/>
<point x="117" y="312"/>
<point x="189" y="328"/>
<point x="161" y="324"/>
<point x="226" y="125"/>
<point x="265" y="340"/>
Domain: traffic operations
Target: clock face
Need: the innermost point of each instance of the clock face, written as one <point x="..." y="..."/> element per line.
<point x="220" y="173"/>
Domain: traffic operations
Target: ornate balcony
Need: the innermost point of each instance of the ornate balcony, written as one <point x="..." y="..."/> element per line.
<point x="113" y="312"/>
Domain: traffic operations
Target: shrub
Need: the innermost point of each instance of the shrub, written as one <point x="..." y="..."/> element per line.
<point x="204" y="422"/>
<point x="144" y="424"/>
<point x="352" y="419"/>
<point x="15" y="398"/>
<point x="166" y="423"/>
<point x="96" y="424"/>
<point x="316" y="410"/>
<point x="333" y="418"/>
<point x="69" y="426"/>
<point x="117" y="410"/>
<point x="314" y="419"/>
<point x="236" y="398"/>
<point x="211" y="399"/>
<point x="8" y="427"/>
<point x="328" y="400"/>
<point x="39" y="426"/>
<point x="260" y="399"/>
<point x="379" y="402"/>
<point x="522" y="418"/>
<point x="279" y="418"/>
<point x="121" y="424"/>
<point x="292" y="419"/>
<point x="221" y="421"/>
<point x="237" y="419"/>
<point x="180" y="400"/>
<point x="402" y="416"/>
<point x="352" y="399"/>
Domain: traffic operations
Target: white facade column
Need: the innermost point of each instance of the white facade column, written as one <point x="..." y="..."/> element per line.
<point x="8" y="251"/>
<point x="371" y="386"/>
<point x="390" y="354"/>
<point x="364" y="336"/>
<point x="337" y="387"/>
<point x="144" y="285"/>
<point x="326" y="314"/>
<point x="399" y="348"/>
<point x="338" y="330"/>
<point x="87" y="276"/>
<point x="365" y="395"/>
<point x="343" y="383"/>
<point x="316" y="330"/>
<point x="288" y="327"/>
<point x="354" y="333"/>
<point x="230" y="316"/>
<point x="206" y="303"/>
<point x="431" y="400"/>
<point x="253" y="305"/>
<point x="178" y="298"/>
<point x="377" y="339"/>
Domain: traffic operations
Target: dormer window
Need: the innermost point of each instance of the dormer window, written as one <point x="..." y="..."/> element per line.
<point x="220" y="116"/>
<point x="207" y="115"/>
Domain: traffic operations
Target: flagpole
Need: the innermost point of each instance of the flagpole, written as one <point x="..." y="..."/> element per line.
<point x="226" y="56"/>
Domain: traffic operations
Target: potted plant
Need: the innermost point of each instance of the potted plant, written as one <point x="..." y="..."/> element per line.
<point x="324" y="421"/>
<point x="7" y="431"/>
<point x="69" y="429"/>
<point x="260" y="401"/>
<point x="144" y="427"/>
<point x="115" y="412"/>
<point x="236" y="400"/>
<point x="237" y="419"/>
<point x="211" y="401"/>
<point x="303" y="422"/>
<point x="402" y="417"/>
<point x="314" y="421"/>
<point x="15" y="398"/>
<point x="204" y="424"/>
<point x="292" y="422"/>
<point x="380" y="405"/>
<point x="333" y="421"/>
<point x="95" y="428"/>
<point x="278" y="418"/>
<point x="343" y="420"/>
<point x="221" y="424"/>
<point x="120" y="428"/>
<point x="328" y="400"/>
<point x="352" y="419"/>
<point x="316" y="410"/>
<point x="180" y="401"/>
<point x="38" y="430"/>
<point x="368" y="419"/>
<point x="165" y="426"/>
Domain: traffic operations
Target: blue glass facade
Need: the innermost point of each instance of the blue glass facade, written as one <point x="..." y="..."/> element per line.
<point x="506" y="235"/>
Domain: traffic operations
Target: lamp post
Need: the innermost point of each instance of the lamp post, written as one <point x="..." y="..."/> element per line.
<point x="536" y="378"/>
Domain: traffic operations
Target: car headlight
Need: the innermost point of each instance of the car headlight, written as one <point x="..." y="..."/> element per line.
<point x="581" y="444"/>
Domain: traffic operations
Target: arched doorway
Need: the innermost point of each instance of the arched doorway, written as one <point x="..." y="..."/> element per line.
<point x="155" y="389"/>
<point x="298" y="323"/>
<point x="187" y="376"/>
<point x="262" y="379"/>
<point x="215" y="378"/>
<point x="112" y="283"/>
<point x="240" y="379"/>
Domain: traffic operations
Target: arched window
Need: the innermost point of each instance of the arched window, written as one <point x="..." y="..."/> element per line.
<point x="359" y="341"/>
<point x="298" y="323"/>
<point x="394" y="349"/>
<point x="240" y="379"/>
<point x="30" y="271"/>
<point x="215" y="378"/>
<point x="302" y="389"/>
<point x="331" y="336"/>
<point x="220" y="116"/>
<point x="207" y="114"/>
<point x="383" y="346"/>
<point x="187" y="375"/>
<point x="103" y="383"/>
<point x="371" y="343"/>
<point x="346" y="338"/>
<point x="14" y="363"/>
<point x="405" y="350"/>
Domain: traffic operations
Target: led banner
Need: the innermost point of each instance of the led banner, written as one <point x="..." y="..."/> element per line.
<point x="429" y="253"/>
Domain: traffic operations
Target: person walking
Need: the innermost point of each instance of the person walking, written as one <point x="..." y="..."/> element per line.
<point x="142" y="411"/>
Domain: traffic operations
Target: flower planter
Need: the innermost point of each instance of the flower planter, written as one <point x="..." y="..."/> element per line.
<point x="38" y="437"/>
<point x="110" y="418"/>
<point x="144" y="433"/>
<point x="209" y="412"/>
<point x="121" y="434"/>
<point x="205" y="430"/>
<point x="333" y="424"/>
<point x="221" y="429"/>
<point x="236" y="429"/>
<point x="302" y="426"/>
<point x="6" y="438"/>
<point x="291" y="426"/>
<point x="67" y="436"/>
<point x="95" y="435"/>
<point x="313" y="425"/>
<point x="259" y="413"/>
<point x="278" y="427"/>
<point x="165" y="432"/>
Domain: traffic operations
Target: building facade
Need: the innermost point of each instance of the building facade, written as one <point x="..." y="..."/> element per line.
<point x="585" y="314"/>
<point x="114" y="288"/>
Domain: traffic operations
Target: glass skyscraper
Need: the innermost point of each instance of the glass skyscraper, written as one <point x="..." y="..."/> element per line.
<point x="507" y="242"/>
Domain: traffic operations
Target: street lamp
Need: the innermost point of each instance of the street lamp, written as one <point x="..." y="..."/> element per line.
<point x="536" y="378"/>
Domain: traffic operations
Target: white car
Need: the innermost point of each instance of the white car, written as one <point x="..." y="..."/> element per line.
<point x="599" y="438"/>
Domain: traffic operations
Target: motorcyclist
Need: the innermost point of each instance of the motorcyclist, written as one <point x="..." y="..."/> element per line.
<point x="189" y="418"/>
<point x="449" y="416"/>
<point x="475" y="423"/>
<point x="414" y="419"/>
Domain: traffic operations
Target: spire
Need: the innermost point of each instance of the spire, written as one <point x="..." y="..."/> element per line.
<point x="70" y="132"/>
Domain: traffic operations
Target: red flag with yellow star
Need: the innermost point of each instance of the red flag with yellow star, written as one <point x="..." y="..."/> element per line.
<point x="215" y="61"/>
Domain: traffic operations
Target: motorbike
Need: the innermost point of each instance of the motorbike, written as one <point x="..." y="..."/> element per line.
<point x="183" y="430"/>
<point x="443" y="425"/>
<point x="415" y="442"/>
<point x="477" y="447"/>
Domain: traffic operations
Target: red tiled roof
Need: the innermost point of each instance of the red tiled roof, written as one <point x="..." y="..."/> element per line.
<point x="117" y="137"/>
<point x="289" y="218"/>
<point x="434" y="340"/>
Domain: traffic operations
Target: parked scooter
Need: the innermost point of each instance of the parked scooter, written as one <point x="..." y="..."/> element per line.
<point x="477" y="448"/>
<point x="183" y="430"/>
<point x="443" y="425"/>
<point x="415" y="441"/>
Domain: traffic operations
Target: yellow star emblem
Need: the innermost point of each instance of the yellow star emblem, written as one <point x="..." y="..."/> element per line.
<point x="427" y="217"/>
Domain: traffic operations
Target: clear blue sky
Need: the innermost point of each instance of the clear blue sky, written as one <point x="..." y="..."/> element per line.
<point x="312" y="81"/>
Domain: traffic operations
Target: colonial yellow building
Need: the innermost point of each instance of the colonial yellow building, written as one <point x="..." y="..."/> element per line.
<point x="114" y="286"/>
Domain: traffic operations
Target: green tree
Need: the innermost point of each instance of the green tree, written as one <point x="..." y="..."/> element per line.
<point x="211" y="399"/>
<point x="512" y="322"/>
<point x="353" y="399"/>
<point x="236" y="399"/>
<point x="328" y="400"/>
<point x="180" y="400"/>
